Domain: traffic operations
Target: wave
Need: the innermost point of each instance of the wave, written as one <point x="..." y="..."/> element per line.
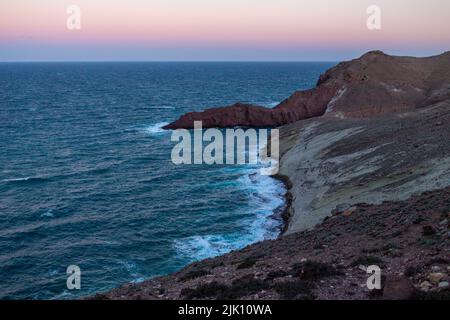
<point x="47" y="214"/>
<point x="266" y="195"/>
<point x="101" y="169"/>
<point x="201" y="247"/>
<point x="25" y="179"/>
<point x="16" y="179"/>
<point x="133" y="270"/>
<point x="155" y="128"/>
<point x="161" y="107"/>
<point x="268" y="104"/>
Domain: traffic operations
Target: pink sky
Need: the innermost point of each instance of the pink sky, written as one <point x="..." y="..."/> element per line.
<point x="219" y="29"/>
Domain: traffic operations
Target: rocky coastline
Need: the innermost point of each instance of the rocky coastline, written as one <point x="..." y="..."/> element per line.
<point x="366" y="162"/>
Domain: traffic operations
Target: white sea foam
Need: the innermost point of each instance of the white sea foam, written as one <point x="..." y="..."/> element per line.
<point x="138" y="280"/>
<point x="53" y="272"/>
<point x="265" y="195"/>
<point x="130" y="266"/>
<point x="133" y="270"/>
<point x="202" y="247"/>
<point x="25" y="179"/>
<point x="272" y="104"/>
<point x="269" y="104"/>
<point x="155" y="128"/>
<point x="161" y="107"/>
<point x="47" y="214"/>
<point x="16" y="179"/>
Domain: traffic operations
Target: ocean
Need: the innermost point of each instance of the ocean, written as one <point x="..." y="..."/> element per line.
<point x="86" y="177"/>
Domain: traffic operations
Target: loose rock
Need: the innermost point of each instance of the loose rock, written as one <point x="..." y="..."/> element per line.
<point x="435" y="277"/>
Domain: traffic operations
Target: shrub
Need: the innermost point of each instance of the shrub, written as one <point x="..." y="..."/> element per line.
<point x="239" y="288"/>
<point x="247" y="263"/>
<point x="299" y="290"/>
<point x="311" y="270"/>
<point x="194" y="274"/>
<point x="243" y="287"/>
<point x="276" y="274"/>
<point x="428" y="231"/>
<point x="411" y="271"/>
<point x="209" y="290"/>
<point x="367" y="261"/>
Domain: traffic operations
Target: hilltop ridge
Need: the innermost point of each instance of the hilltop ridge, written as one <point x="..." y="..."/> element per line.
<point x="373" y="84"/>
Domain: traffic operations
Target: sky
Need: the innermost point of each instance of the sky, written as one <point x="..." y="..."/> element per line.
<point x="219" y="30"/>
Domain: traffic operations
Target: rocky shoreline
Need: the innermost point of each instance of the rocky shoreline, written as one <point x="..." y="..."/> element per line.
<point x="365" y="160"/>
<point x="286" y="213"/>
<point x="409" y="240"/>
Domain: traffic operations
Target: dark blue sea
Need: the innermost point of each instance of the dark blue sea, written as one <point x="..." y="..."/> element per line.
<point x="86" y="177"/>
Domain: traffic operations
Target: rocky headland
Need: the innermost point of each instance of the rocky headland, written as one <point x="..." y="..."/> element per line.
<point x="372" y="84"/>
<point x="366" y="158"/>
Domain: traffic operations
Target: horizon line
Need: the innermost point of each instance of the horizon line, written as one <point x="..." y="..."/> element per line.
<point x="158" y="61"/>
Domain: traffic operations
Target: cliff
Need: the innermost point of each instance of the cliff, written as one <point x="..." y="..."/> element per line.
<point x="373" y="84"/>
<point x="369" y="184"/>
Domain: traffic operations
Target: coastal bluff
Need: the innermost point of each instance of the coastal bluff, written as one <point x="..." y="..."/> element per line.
<point x="373" y="84"/>
<point x="366" y="160"/>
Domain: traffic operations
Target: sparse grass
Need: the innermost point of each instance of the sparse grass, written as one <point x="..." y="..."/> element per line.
<point x="428" y="231"/>
<point x="214" y="264"/>
<point x="276" y="274"/>
<point x="367" y="261"/>
<point x="371" y="250"/>
<point x="311" y="270"/>
<point x="375" y="294"/>
<point x="247" y="263"/>
<point x="209" y="290"/>
<point x="438" y="260"/>
<point x="411" y="271"/>
<point x="194" y="274"/>
<point x="241" y="287"/>
<point x="299" y="290"/>
<point x="418" y="220"/>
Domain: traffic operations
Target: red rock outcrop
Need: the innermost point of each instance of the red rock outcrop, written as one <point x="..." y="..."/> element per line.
<point x="372" y="84"/>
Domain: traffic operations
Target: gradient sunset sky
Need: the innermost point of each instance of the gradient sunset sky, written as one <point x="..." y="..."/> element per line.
<point x="271" y="30"/>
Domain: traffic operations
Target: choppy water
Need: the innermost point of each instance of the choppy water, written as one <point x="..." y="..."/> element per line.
<point x="86" y="176"/>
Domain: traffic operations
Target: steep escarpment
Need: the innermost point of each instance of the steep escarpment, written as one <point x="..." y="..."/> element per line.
<point x="334" y="163"/>
<point x="373" y="84"/>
